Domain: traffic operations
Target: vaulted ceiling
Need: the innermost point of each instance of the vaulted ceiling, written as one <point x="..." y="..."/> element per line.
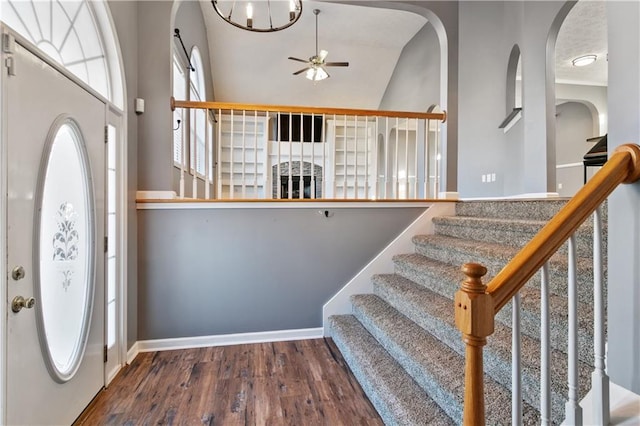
<point x="253" y="67"/>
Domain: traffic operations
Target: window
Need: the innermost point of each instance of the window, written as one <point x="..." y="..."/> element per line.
<point x="198" y="118"/>
<point x="179" y="92"/>
<point x="66" y="31"/>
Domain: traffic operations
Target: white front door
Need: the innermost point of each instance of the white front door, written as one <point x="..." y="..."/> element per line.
<point x="55" y="243"/>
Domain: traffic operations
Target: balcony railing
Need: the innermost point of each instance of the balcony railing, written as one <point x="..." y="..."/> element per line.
<point x="239" y="151"/>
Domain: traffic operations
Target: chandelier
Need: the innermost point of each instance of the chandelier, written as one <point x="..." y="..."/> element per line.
<point x="262" y="16"/>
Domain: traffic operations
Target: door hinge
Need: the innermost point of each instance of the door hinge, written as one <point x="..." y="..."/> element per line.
<point x="11" y="65"/>
<point x="106" y="134"/>
<point x="8" y="43"/>
<point x="105" y="353"/>
<point x="106" y="244"/>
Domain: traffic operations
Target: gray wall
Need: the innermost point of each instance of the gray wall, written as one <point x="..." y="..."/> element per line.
<point x="125" y="18"/>
<point x="574" y="125"/>
<point x="624" y="203"/>
<point x="209" y="272"/>
<point x="415" y="82"/>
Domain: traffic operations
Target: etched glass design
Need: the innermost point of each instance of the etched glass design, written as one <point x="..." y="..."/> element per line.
<point x="64" y="279"/>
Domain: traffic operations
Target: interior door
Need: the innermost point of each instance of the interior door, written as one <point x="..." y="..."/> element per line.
<point x="55" y="243"/>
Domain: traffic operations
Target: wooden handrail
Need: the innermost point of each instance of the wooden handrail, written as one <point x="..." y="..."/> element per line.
<point x="476" y="305"/>
<point x="622" y="167"/>
<point x="227" y="106"/>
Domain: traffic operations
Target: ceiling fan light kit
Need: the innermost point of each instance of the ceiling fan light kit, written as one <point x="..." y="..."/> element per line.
<point x="315" y="70"/>
<point x="265" y="17"/>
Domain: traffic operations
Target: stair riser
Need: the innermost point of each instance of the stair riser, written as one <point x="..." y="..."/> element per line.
<point x="557" y="272"/>
<point x="513" y="236"/>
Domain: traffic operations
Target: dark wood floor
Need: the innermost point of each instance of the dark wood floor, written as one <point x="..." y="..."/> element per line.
<point x="304" y="382"/>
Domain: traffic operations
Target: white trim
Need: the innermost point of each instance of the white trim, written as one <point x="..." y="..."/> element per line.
<point x="513" y="121"/>
<point x="321" y="206"/>
<point x="568" y="165"/>
<point x="156" y="195"/>
<point x="448" y="196"/>
<point x="623" y="406"/>
<point x="227" y="339"/>
<point x="3" y="239"/>
<point x="528" y="196"/>
<point x="383" y="263"/>
<point x="132" y="353"/>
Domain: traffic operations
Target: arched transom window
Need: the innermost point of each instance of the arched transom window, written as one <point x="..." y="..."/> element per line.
<point x="67" y="31"/>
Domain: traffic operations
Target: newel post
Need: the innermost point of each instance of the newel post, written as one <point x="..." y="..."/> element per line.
<point x="474" y="318"/>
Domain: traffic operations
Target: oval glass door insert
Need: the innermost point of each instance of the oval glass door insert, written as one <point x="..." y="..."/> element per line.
<point x="64" y="249"/>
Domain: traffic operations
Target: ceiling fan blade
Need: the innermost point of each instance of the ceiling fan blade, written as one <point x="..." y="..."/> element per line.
<point x="322" y="55"/>
<point x="298" y="59"/>
<point x="301" y="71"/>
<point x="336" y="64"/>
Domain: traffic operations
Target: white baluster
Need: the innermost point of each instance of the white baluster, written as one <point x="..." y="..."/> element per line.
<point x="194" y="147"/>
<point x="396" y="177"/>
<point x="323" y="135"/>
<point x="345" y="187"/>
<point x="301" y="177"/>
<point x="516" y="367"/>
<point x="427" y="169"/>
<point x="366" y="157"/>
<point x="278" y="180"/>
<point x="255" y="152"/>
<point x="355" y="156"/>
<point x="386" y="157"/>
<point x="415" y="160"/>
<point x="183" y="142"/>
<point x="313" y="156"/>
<point x="545" y="349"/>
<point x="207" y="156"/>
<point x="290" y="183"/>
<point x="436" y="179"/>
<point x="406" y="159"/>
<point x="231" y="160"/>
<point x="219" y="194"/>
<point x="243" y="161"/>
<point x="599" y="378"/>
<point x="573" y="411"/>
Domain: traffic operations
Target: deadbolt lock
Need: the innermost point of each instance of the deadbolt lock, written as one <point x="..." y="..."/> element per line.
<point x="20" y="302"/>
<point x="17" y="273"/>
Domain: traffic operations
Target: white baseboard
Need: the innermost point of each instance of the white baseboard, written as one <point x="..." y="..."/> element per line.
<point x="448" y="196"/>
<point x="383" y="263"/>
<point x="132" y="353"/>
<point x="624" y="407"/>
<point x="227" y="339"/>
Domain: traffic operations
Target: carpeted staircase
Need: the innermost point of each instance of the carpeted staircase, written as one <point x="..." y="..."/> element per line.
<point x="401" y="341"/>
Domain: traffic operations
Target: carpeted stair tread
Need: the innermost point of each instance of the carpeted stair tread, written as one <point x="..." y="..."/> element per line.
<point x="444" y="279"/>
<point x="434" y="313"/>
<point x="511" y="209"/>
<point x="397" y="397"/>
<point x="494" y="257"/>
<point x="514" y="233"/>
<point x="437" y="368"/>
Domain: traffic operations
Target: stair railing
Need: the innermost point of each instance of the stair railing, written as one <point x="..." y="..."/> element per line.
<point x="247" y="151"/>
<point x="476" y="305"/>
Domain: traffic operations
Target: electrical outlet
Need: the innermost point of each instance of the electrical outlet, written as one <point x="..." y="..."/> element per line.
<point x="559" y="186"/>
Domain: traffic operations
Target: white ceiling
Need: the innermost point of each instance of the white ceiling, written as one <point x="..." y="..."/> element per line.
<point x="251" y="67"/>
<point x="583" y="32"/>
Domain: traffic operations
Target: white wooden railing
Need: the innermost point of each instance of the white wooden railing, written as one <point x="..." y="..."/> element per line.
<point x="282" y="152"/>
<point x="476" y="304"/>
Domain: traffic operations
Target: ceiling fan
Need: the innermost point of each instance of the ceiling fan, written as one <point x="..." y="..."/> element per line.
<point x="316" y="64"/>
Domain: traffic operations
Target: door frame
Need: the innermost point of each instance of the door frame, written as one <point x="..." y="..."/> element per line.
<point x="121" y="212"/>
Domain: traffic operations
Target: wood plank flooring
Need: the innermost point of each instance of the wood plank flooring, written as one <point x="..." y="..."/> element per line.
<point x="304" y="382"/>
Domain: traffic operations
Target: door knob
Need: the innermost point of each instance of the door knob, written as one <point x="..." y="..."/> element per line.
<point x="20" y="302"/>
<point x="17" y="273"/>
